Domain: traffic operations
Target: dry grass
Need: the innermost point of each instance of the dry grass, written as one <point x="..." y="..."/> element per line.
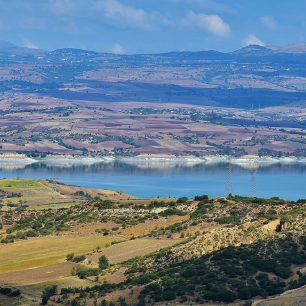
<point x="293" y="297"/>
<point x="37" y="275"/>
<point x="45" y="251"/>
<point x="150" y="225"/>
<point x="129" y="249"/>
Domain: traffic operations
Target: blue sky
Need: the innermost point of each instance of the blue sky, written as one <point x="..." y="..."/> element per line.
<point x="144" y="26"/>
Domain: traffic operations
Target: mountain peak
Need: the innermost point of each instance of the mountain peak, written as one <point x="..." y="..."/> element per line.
<point x="252" y="50"/>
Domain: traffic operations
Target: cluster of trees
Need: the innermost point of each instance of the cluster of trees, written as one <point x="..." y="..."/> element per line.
<point x="42" y="226"/>
<point x="74" y="258"/>
<point x="158" y="204"/>
<point x="10" y="292"/>
<point x="47" y="293"/>
<point x="20" y="235"/>
<point x="84" y="272"/>
<point x="223" y="276"/>
<point x="228" y="274"/>
<point x="171" y="212"/>
<point x="202" y="208"/>
<point x="255" y="200"/>
<point x="103" y="204"/>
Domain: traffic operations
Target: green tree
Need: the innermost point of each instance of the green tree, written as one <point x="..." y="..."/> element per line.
<point x="103" y="262"/>
<point x="47" y="293"/>
<point x="70" y="256"/>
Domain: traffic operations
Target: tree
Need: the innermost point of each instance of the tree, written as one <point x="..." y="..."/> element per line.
<point x="47" y="293"/>
<point x="70" y="256"/>
<point x="103" y="262"/>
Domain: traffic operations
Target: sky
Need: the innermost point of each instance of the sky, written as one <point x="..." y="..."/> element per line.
<point x="152" y="26"/>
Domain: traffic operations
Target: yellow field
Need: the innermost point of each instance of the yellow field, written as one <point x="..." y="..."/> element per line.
<point x="38" y="275"/>
<point x="45" y="251"/>
<point x="132" y="248"/>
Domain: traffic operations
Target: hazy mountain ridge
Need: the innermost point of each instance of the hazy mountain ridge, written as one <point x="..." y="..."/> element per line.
<point x="295" y="53"/>
<point x="204" y="77"/>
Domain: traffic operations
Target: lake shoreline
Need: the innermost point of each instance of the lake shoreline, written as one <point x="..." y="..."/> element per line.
<point x="146" y="160"/>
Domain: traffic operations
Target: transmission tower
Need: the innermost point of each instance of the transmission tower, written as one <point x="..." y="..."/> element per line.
<point x="253" y="178"/>
<point x="229" y="174"/>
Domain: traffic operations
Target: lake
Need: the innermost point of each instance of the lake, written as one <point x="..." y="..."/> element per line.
<point x="287" y="181"/>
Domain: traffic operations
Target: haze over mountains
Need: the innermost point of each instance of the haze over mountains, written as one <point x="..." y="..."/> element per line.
<point x="251" y="77"/>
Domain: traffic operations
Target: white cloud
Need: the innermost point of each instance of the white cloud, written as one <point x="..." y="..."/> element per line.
<point x="269" y="22"/>
<point x="118" y="49"/>
<point x="252" y="40"/>
<point x="28" y="44"/>
<point x="122" y="14"/>
<point x="211" y="23"/>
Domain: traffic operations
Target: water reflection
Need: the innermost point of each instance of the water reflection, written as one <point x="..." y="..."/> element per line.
<point x="284" y="180"/>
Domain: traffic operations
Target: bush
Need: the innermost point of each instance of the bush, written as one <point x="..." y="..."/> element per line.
<point x="221" y="294"/>
<point x="228" y="220"/>
<point x="47" y="293"/>
<point x="169" y="295"/>
<point x="171" y="212"/>
<point x="181" y="200"/>
<point x="104" y="204"/>
<point x="83" y="272"/>
<point x="10" y="292"/>
<point x="103" y="262"/>
<point x="201" y="210"/>
<point x="70" y="256"/>
<point x="203" y="197"/>
<point x="79" y="258"/>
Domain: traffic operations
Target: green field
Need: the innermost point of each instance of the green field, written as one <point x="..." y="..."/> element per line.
<point x="20" y="183"/>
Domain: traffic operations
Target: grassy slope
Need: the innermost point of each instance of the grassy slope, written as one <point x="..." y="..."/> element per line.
<point x="45" y="251"/>
<point x="220" y="223"/>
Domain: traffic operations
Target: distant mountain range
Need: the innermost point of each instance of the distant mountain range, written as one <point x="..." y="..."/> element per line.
<point x="8" y="47"/>
<point x="251" y="77"/>
<point x="251" y="50"/>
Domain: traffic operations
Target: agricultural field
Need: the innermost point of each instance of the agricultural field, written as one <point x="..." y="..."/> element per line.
<point x="184" y="103"/>
<point x="37" y="195"/>
<point x="44" y="251"/>
<point x="131" y="129"/>
<point x="105" y="250"/>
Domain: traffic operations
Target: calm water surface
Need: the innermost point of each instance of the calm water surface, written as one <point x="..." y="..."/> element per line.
<point x="286" y="181"/>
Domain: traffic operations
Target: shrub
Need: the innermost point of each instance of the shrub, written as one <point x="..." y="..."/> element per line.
<point x="10" y="292"/>
<point x="171" y="212"/>
<point x="70" y="256"/>
<point x="83" y="272"/>
<point x="218" y="293"/>
<point x="201" y="197"/>
<point x="78" y="258"/>
<point x="47" y="293"/>
<point x="181" y="200"/>
<point x="103" y="262"/>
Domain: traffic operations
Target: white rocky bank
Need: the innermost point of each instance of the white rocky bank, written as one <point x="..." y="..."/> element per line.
<point x="144" y="160"/>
